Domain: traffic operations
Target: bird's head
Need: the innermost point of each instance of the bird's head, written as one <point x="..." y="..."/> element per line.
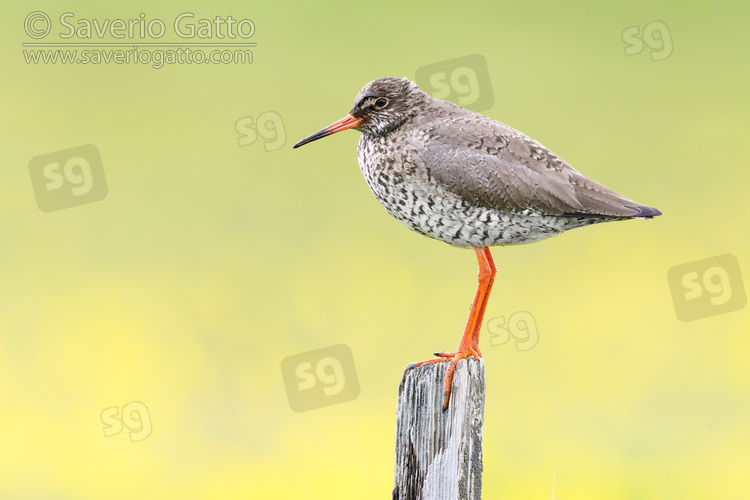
<point x="381" y="106"/>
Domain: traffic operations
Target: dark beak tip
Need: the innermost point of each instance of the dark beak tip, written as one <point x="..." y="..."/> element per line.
<point x="301" y="143"/>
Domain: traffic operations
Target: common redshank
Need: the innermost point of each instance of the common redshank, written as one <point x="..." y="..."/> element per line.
<point x="470" y="181"/>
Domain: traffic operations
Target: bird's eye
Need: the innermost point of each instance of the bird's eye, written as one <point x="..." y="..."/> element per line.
<point x="381" y="103"/>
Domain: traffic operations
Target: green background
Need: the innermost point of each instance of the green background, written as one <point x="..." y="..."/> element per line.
<point x="209" y="262"/>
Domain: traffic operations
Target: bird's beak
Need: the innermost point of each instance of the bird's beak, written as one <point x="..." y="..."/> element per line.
<point x="345" y="123"/>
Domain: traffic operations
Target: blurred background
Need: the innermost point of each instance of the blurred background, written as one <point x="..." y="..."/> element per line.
<point x="153" y="284"/>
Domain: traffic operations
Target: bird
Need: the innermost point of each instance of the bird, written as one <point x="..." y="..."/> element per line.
<point x="463" y="178"/>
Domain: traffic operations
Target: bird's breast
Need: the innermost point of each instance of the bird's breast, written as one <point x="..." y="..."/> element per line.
<point x="392" y="176"/>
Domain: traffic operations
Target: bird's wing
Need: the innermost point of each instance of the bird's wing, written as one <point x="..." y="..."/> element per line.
<point x="488" y="163"/>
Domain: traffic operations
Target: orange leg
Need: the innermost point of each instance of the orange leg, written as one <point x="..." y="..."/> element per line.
<point x="469" y="343"/>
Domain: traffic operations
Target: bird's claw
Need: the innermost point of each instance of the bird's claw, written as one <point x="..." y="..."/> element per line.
<point x="454" y="358"/>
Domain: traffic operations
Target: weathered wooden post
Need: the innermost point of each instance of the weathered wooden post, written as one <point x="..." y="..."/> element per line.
<point x="439" y="453"/>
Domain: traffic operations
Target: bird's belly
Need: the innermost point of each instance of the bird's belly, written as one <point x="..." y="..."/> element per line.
<point x="429" y="209"/>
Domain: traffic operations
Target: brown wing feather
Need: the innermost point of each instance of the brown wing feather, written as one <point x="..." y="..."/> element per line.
<point x="503" y="168"/>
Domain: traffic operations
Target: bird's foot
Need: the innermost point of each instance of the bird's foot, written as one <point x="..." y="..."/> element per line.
<point x="474" y="351"/>
<point x="454" y="358"/>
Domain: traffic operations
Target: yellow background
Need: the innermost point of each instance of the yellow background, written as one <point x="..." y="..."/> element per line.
<point x="208" y="263"/>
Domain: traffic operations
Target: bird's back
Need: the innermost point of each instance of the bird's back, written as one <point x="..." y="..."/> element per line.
<point x="488" y="163"/>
